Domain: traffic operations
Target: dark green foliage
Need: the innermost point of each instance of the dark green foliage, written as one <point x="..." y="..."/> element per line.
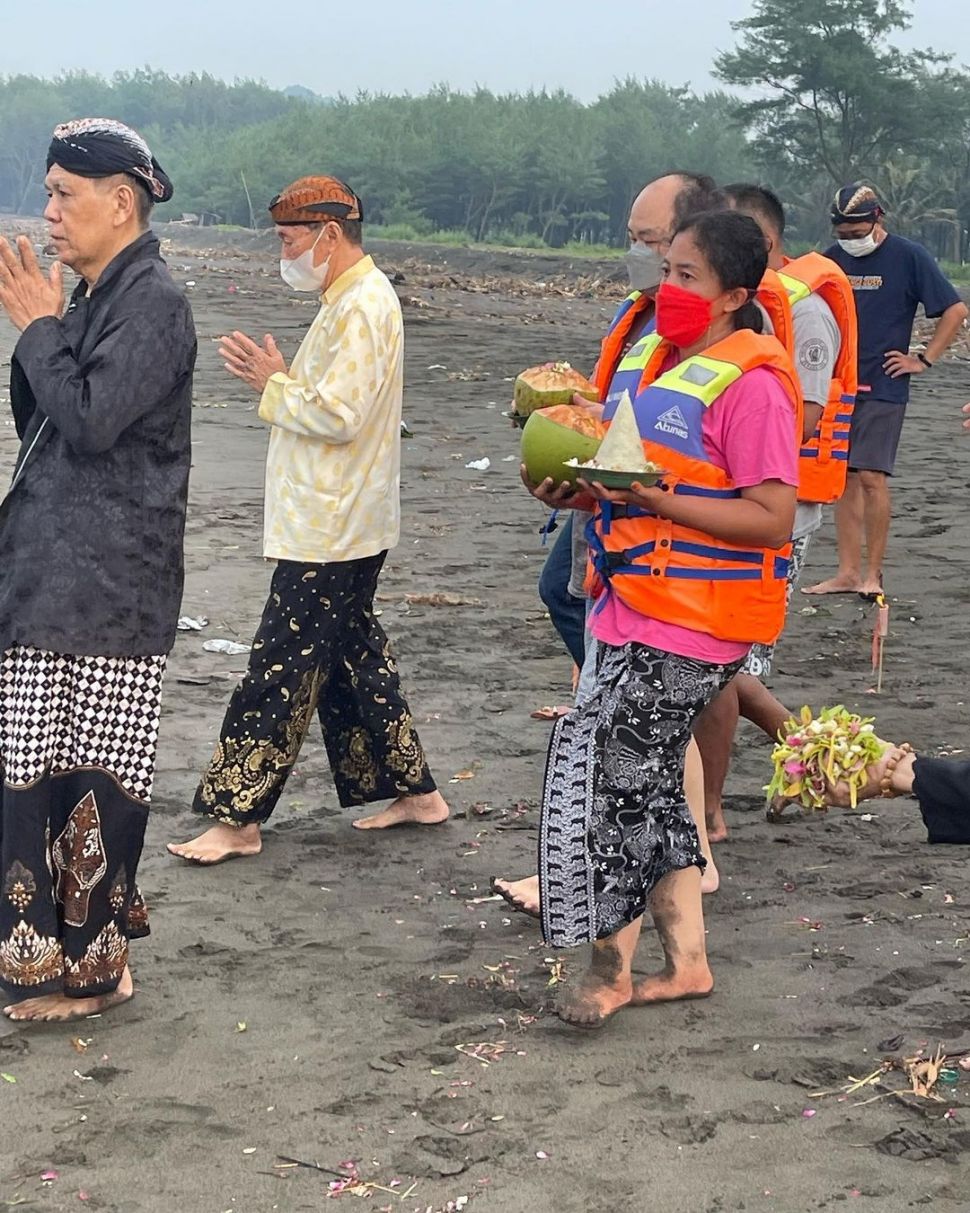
<point x="829" y="100"/>
<point x="835" y="102"/>
<point x="540" y="167"/>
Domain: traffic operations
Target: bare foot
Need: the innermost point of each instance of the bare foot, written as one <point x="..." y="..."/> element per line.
<point x="429" y="810"/>
<point x="604" y="990"/>
<point x="871" y="587"/>
<point x="521" y="895"/>
<point x="670" y="986"/>
<point x="56" y="1008"/>
<point x="711" y="879"/>
<point x="219" y="843"/>
<point x="839" y="584"/>
<point x="717" y="830"/>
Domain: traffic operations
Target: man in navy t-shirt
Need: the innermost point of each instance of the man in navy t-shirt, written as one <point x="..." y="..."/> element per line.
<point x="890" y="277"/>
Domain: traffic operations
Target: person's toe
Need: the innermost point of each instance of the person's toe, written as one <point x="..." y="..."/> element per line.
<point x="581" y="1019"/>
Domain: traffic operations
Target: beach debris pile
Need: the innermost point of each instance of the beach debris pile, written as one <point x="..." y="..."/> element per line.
<point x="929" y="1076"/>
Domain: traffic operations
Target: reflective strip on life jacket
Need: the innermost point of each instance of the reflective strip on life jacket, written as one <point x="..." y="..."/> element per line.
<point x="629" y="374"/>
<point x="796" y="290"/>
<point x="701" y="377"/>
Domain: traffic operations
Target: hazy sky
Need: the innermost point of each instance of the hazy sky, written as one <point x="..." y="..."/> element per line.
<point x="338" y="46"/>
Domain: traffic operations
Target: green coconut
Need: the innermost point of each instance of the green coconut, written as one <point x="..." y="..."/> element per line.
<point x="554" y="436"/>
<point x="545" y="387"/>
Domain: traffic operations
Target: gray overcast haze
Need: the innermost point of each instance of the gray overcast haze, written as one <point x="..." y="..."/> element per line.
<point x="386" y="45"/>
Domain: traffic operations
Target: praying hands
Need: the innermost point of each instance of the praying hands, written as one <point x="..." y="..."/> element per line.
<point x="253" y="364"/>
<point x="26" y="294"/>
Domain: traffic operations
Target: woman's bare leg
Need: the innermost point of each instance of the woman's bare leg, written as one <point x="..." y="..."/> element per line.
<point x="714" y="732"/>
<point x="607" y="986"/>
<point x="679" y="918"/>
<point x="523" y="894"/>
<point x="694" y="793"/>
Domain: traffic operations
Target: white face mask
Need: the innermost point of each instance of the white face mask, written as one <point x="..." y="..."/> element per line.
<point x="862" y="246"/>
<point x="301" y="274"/>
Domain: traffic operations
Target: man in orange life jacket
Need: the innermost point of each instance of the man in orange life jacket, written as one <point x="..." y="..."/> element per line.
<point x="823" y="349"/>
<point x="656" y="212"/>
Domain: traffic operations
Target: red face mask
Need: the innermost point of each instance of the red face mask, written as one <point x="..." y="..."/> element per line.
<point x="682" y="317"/>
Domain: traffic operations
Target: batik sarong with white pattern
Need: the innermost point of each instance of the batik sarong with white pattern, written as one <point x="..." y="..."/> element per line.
<point x="615" y="819"/>
<point x="78" y="737"/>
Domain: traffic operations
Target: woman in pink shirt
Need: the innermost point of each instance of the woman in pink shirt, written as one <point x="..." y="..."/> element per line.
<point x="617" y="837"/>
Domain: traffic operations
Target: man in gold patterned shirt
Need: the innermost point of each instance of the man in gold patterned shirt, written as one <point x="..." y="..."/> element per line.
<point x="332" y="511"/>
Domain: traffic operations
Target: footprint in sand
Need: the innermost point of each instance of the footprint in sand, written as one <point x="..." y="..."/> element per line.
<point x="689" y="1130"/>
<point x="895" y="987"/>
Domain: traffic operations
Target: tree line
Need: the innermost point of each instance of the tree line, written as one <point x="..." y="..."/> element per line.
<point x="819" y="97"/>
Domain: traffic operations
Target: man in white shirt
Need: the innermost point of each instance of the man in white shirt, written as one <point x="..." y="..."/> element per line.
<point x="817" y="343"/>
<point x="332" y="511"/>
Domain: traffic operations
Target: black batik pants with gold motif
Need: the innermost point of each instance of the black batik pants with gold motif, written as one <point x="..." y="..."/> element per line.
<point x="318" y="649"/>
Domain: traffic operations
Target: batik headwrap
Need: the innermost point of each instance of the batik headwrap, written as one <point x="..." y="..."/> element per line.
<point x="315" y="200"/>
<point x="856" y="204"/>
<point x="102" y="147"/>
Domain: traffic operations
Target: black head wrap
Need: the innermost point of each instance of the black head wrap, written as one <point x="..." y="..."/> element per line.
<point x="102" y="147"/>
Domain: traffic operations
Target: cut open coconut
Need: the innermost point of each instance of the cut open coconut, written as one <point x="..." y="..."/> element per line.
<point x="543" y="387"/>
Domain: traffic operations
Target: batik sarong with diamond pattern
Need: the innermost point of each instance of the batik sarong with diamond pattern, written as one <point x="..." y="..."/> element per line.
<point x="78" y="737"/>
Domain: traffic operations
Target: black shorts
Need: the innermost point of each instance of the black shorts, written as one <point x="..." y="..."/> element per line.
<point x="874" y="437"/>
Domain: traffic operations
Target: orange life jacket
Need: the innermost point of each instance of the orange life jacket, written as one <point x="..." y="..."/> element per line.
<point x="824" y="458"/>
<point x="671" y="572"/>
<point x="773" y="297"/>
<point x="617" y="341"/>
